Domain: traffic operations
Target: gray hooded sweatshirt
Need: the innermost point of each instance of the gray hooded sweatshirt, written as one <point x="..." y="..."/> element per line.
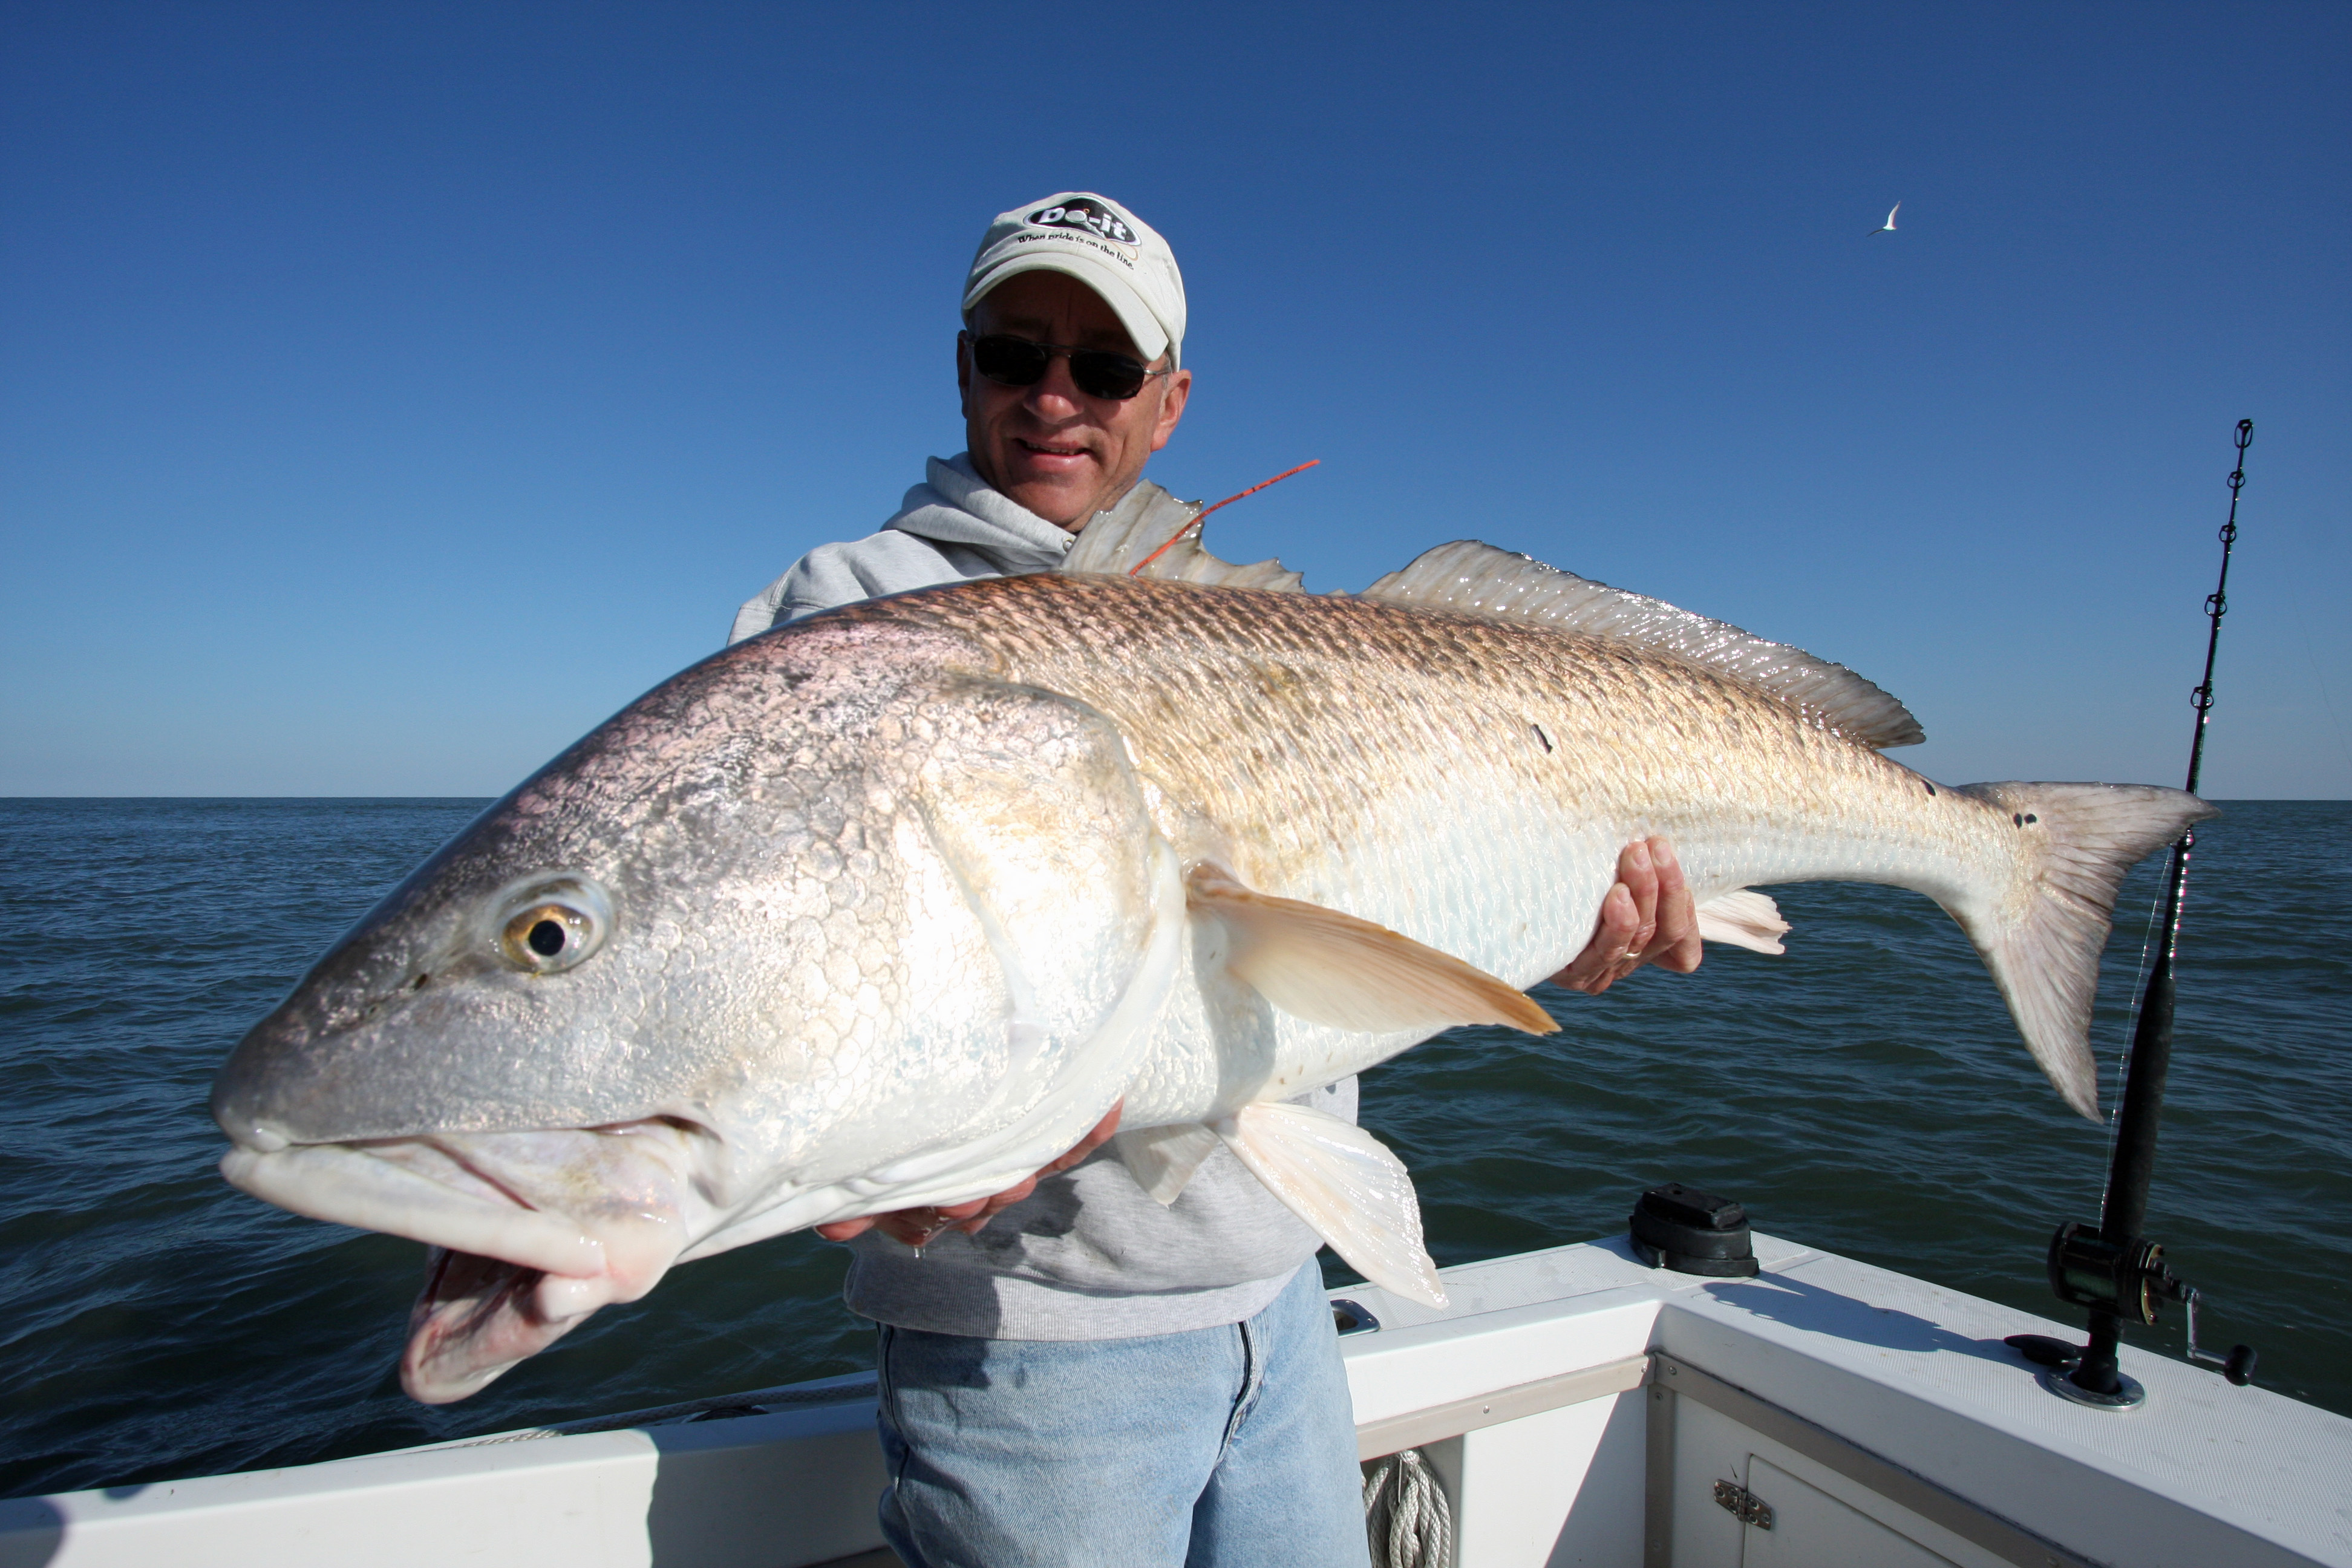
<point x="952" y="528"/>
<point x="1088" y="1255"/>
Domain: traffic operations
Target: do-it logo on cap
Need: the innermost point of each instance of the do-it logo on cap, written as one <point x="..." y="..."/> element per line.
<point x="1091" y="216"/>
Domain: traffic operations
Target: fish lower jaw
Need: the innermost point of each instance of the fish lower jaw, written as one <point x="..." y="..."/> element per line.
<point x="477" y="1317"/>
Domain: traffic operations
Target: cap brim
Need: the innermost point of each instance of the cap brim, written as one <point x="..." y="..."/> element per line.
<point x="1150" y="337"/>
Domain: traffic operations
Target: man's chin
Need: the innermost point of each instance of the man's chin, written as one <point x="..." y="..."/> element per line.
<point x="1065" y="495"/>
<point x="1056" y="505"/>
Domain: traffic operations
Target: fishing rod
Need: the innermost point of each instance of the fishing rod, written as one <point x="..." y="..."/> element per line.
<point x="2110" y="1268"/>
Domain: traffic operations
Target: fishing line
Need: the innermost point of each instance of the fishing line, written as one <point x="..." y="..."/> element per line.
<point x="2311" y="655"/>
<point x="1136" y="570"/>
<point x="2131" y="1011"/>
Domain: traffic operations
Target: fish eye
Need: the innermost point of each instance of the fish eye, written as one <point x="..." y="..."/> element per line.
<point x="551" y="925"/>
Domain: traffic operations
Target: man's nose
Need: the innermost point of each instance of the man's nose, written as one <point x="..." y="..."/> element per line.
<point x="1055" y="395"/>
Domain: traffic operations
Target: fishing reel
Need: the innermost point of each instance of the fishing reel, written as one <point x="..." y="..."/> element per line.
<point x="2127" y="1281"/>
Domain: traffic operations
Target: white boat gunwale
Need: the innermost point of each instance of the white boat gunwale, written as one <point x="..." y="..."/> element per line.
<point x="1578" y="1405"/>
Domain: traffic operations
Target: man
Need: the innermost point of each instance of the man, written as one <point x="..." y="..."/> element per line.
<point x="1071" y="1372"/>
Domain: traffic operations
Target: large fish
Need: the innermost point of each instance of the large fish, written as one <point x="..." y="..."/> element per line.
<point x="891" y="906"/>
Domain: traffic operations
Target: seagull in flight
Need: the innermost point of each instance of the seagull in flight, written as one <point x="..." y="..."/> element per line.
<point x="1888" y="226"/>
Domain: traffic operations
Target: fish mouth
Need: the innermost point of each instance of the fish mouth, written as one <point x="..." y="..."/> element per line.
<point x="531" y="1232"/>
<point x="477" y="1317"/>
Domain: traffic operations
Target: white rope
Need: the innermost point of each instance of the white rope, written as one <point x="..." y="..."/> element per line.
<point x="1407" y="1519"/>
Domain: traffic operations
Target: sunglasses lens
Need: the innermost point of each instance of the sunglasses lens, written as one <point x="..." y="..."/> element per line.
<point x="1108" y="375"/>
<point x="1017" y="362"/>
<point x="1012" y="362"/>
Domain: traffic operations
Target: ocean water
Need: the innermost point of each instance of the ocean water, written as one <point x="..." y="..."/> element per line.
<point x="1863" y="1093"/>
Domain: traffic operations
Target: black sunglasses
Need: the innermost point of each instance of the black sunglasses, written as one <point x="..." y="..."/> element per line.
<point x="1017" y="362"/>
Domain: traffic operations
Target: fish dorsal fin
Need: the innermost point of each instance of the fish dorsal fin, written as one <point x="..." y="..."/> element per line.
<point x="1119" y="541"/>
<point x="1335" y="969"/>
<point x="1480" y="580"/>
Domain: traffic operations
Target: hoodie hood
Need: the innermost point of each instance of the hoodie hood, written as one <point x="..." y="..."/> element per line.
<point x="952" y="528"/>
<point x="954" y="505"/>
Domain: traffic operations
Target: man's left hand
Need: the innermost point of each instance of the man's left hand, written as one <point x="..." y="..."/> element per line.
<point x="1647" y="918"/>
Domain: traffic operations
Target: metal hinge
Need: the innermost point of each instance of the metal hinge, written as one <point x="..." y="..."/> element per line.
<point x="1743" y="1504"/>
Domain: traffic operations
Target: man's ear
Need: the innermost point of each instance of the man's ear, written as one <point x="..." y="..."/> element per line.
<point x="1171" y="408"/>
<point x="963" y="374"/>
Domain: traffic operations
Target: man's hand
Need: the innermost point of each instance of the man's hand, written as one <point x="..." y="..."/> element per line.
<point x="916" y="1226"/>
<point x="1647" y="918"/>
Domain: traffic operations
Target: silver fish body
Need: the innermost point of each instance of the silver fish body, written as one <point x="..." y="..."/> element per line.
<point x="888" y="907"/>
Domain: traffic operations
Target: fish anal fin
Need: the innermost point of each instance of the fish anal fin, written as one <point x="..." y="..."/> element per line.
<point x="1479" y="580"/>
<point x="1331" y="968"/>
<point x="1743" y="917"/>
<point x="1162" y="1159"/>
<point x="1119" y="542"/>
<point x="1345" y="1185"/>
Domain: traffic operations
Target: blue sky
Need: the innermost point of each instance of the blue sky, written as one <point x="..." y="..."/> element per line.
<point x="388" y="392"/>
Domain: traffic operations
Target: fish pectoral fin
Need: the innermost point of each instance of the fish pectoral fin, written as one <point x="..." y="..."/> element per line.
<point x="1744" y="918"/>
<point x="1331" y="968"/>
<point x="1345" y="1185"/>
<point x="1162" y="1159"/>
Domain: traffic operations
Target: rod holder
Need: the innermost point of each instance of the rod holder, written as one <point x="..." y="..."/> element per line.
<point x="2118" y="1282"/>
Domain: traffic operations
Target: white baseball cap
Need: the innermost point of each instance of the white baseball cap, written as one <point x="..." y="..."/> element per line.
<point x="1102" y="245"/>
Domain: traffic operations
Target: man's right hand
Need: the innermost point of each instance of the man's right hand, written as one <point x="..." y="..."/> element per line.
<point x="916" y="1226"/>
<point x="1647" y="918"/>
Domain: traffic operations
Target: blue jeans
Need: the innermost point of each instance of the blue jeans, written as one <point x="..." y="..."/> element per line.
<point x="1225" y="1447"/>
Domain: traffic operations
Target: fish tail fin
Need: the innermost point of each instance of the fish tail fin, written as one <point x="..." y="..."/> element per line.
<point x="2042" y="935"/>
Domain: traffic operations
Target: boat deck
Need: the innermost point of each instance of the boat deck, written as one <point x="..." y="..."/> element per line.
<point x="1578" y="1406"/>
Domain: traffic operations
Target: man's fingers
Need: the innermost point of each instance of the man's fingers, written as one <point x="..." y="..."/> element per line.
<point x="1675" y="943"/>
<point x="1637" y="873"/>
<point x="1628" y="923"/>
<point x="908" y="1228"/>
<point x="1090" y="1143"/>
<point x="1648" y="916"/>
<point x="916" y="1226"/>
<point x="995" y="1206"/>
<point x="1612" y="934"/>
